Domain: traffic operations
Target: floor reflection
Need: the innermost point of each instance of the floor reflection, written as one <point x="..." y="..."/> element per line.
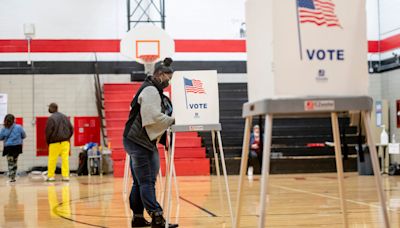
<point x="14" y="211"/>
<point x="61" y="207"/>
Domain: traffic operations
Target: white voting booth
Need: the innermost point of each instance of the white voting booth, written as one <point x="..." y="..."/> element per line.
<point x="196" y="108"/>
<point x="306" y="57"/>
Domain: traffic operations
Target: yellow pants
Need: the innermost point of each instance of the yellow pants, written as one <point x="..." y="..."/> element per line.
<point x="55" y="150"/>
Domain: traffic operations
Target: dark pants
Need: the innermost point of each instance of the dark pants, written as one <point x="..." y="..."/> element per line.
<point x="12" y="166"/>
<point x="255" y="160"/>
<point x="145" y="165"/>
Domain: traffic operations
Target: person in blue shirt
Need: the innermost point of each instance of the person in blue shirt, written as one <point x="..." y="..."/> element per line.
<point x="12" y="134"/>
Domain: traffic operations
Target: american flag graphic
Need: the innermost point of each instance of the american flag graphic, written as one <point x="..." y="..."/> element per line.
<point x="193" y="86"/>
<point x="319" y="12"/>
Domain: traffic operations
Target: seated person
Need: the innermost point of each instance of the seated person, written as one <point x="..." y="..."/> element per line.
<point x="255" y="150"/>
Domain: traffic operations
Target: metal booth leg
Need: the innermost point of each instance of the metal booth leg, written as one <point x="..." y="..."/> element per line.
<point x="167" y="164"/>
<point x="161" y="185"/>
<point x="375" y="165"/>
<point x="243" y="167"/>
<point x="228" y="194"/>
<point x="167" y="153"/>
<point x="339" y="165"/>
<point x="126" y="173"/>
<point x="265" y="169"/>
<point x="169" y="180"/>
<point x="218" y="175"/>
<point x="178" y="205"/>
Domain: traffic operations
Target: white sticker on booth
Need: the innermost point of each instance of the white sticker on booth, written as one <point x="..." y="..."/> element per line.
<point x="195" y="97"/>
<point x="306" y="48"/>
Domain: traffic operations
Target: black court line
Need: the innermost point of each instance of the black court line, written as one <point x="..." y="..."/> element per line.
<point x="76" y="221"/>
<point x="199" y="207"/>
<point x="84" y="223"/>
<point x="94" y="225"/>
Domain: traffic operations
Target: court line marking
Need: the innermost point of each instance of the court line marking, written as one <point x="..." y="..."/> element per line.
<point x="328" y="196"/>
<point x="55" y="210"/>
<point x="198" y="206"/>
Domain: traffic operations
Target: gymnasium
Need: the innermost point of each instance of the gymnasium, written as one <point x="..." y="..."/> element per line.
<point x="274" y="113"/>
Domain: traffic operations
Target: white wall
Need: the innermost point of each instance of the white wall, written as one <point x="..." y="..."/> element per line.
<point x="102" y="19"/>
<point x="63" y="19"/>
<point x="205" y="19"/>
<point x="29" y="95"/>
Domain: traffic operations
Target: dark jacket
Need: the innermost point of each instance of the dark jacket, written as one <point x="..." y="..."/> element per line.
<point x="134" y="129"/>
<point x="58" y="128"/>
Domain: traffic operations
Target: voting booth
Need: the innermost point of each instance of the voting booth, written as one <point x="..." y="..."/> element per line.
<point x="306" y="57"/>
<point x="306" y="48"/>
<point x="194" y="96"/>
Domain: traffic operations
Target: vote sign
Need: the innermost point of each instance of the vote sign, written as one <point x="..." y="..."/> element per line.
<point x="195" y="97"/>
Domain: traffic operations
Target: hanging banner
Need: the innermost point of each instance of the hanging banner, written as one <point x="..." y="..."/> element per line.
<point x="306" y="48"/>
<point x="195" y="97"/>
<point x="3" y="106"/>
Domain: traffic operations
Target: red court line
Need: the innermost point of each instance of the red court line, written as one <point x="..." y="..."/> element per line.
<point x="182" y="46"/>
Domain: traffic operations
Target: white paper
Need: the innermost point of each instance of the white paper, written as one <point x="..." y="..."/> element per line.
<point x="394" y="148"/>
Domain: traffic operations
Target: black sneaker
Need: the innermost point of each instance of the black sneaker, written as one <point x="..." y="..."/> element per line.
<point x="140" y="222"/>
<point x="158" y="221"/>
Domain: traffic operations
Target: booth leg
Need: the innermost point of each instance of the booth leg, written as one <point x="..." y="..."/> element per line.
<point x="126" y="174"/>
<point x="375" y="165"/>
<point x="339" y="165"/>
<point x="243" y="167"/>
<point x="265" y="169"/>
<point x="160" y="186"/>
<point x="228" y="194"/>
<point x="218" y="175"/>
<point x="169" y="180"/>
<point x="178" y="205"/>
<point x="166" y="156"/>
<point x="167" y="153"/>
<point x="101" y="166"/>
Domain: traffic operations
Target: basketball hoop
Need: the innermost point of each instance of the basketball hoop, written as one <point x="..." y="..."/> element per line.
<point x="149" y="62"/>
<point x="148" y="59"/>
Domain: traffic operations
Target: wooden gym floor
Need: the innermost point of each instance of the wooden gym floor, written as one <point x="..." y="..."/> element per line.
<point x="306" y="200"/>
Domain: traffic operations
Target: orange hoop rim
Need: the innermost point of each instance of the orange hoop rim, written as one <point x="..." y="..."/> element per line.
<point x="148" y="58"/>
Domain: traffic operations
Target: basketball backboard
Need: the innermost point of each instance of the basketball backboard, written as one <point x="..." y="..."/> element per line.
<point x="147" y="44"/>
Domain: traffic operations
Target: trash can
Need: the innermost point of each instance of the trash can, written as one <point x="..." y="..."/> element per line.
<point x="364" y="164"/>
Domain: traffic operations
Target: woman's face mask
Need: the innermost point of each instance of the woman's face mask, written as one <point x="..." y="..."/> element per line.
<point x="165" y="80"/>
<point x="164" y="84"/>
